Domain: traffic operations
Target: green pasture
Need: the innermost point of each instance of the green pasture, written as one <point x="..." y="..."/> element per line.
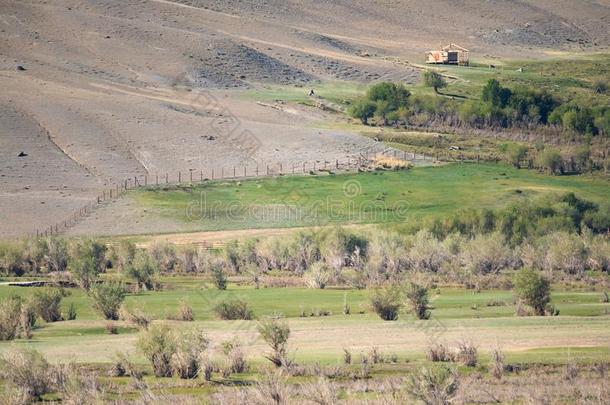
<point x="357" y="198"/>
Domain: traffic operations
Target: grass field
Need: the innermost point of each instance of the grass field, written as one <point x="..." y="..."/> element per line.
<point x="377" y="197"/>
<point x="580" y="331"/>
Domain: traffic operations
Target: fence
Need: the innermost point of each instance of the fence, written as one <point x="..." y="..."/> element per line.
<point x="190" y="176"/>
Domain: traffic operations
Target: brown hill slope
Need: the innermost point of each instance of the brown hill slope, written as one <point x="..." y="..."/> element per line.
<point x="113" y="89"/>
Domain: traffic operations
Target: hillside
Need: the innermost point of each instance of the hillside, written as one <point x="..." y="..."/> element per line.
<point x="98" y="91"/>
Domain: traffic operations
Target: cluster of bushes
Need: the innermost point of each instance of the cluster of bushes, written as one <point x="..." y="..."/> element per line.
<point x="498" y="107"/>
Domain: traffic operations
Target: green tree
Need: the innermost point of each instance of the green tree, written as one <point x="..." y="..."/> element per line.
<point x="143" y="270"/>
<point x="87" y="260"/>
<point x="435" y="80"/>
<point x="516" y="153"/>
<point x="493" y="93"/>
<point x="533" y="289"/>
<point x="417" y="297"/>
<point x="362" y="109"/>
<point x="107" y="299"/>
<point x="551" y="161"/>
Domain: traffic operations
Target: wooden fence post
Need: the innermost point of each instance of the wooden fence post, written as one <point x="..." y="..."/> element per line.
<point x="179" y="177"/>
<point x="166" y="178"/>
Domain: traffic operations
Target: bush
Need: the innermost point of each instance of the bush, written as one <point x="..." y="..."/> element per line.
<point x="434" y="79"/>
<point x="87" y="259"/>
<point x="143" y="270"/>
<point x="47" y="302"/>
<point x="158" y="345"/>
<point x="136" y="316"/>
<point x="10" y="313"/>
<point x="187" y="358"/>
<point x="487" y="254"/>
<point x="417" y="296"/>
<point x="185" y="312"/>
<point x="467" y="354"/>
<point x="71" y="315"/>
<point x="362" y="109"/>
<point x="427" y="254"/>
<point x="219" y="278"/>
<point x="275" y="332"/>
<point x="565" y="252"/>
<point x="28" y="371"/>
<point x="232" y="309"/>
<point x="433" y="385"/>
<point x="272" y="389"/>
<point x="496" y="364"/>
<point x="439" y="352"/>
<point x="235" y="356"/>
<point x="550" y="160"/>
<point x="386" y="302"/>
<point x="317" y="276"/>
<point x="533" y="289"/>
<point x="107" y="299"/>
<point x="164" y="254"/>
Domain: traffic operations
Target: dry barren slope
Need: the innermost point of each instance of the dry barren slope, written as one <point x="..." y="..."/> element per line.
<point x="113" y="89"/>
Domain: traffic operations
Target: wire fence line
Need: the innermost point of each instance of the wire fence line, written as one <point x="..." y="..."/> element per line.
<point x="192" y="176"/>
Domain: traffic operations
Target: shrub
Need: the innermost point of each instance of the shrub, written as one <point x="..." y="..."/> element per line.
<point x="185" y="312"/>
<point x="347" y="357"/>
<point x="124" y="254"/>
<point x="439" y="352"/>
<point x="362" y="109"/>
<point x="434" y="79"/>
<point x="56" y="257"/>
<point x="107" y="299"/>
<point x="427" y="253"/>
<point x="275" y="332"/>
<point x="386" y="302"/>
<point x="143" y="270"/>
<point x="219" y="278"/>
<point x="565" y="252"/>
<point x="10" y="317"/>
<point x="29" y="371"/>
<point x="317" y="276"/>
<point x="164" y="254"/>
<point x="487" y="254"/>
<point x="158" y="345"/>
<point x="87" y="259"/>
<point x="321" y="392"/>
<point x="467" y="354"/>
<point x="417" y="297"/>
<point x="550" y="160"/>
<point x="533" y="289"/>
<point x="272" y="389"/>
<point x="71" y="315"/>
<point x="189" y="347"/>
<point x="47" y="302"/>
<point x="135" y="316"/>
<point x="232" y="309"/>
<point x="496" y="364"/>
<point x="433" y="386"/>
<point x="235" y="356"/>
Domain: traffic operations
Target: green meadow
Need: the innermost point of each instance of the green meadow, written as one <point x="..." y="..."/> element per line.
<point x="357" y="198"/>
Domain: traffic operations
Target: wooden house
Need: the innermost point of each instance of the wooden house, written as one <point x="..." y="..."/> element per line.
<point x="451" y="54"/>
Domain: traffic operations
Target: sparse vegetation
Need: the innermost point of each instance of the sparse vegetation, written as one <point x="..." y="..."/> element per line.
<point x="275" y="332"/>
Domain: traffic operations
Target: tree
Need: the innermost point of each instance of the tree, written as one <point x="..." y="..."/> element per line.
<point x="143" y="270"/>
<point x="494" y="94"/>
<point x="533" y="289"/>
<point x="434" y="80"/>
<point x="275" y="331"/>
<point x="417" y="297"/>
<point x="107" y="299"/>
<point x="516" y="153"/>
<point x="362" y="109"/>
<point x="87" y="260"/>
<point x="551" y="160"/>
<point x="386" y="302"/>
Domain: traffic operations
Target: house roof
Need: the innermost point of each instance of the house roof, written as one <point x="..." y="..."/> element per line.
<point x="454" y="47"/>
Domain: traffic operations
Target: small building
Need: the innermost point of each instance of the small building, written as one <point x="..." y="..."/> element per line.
<point x="451" y="54"/>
